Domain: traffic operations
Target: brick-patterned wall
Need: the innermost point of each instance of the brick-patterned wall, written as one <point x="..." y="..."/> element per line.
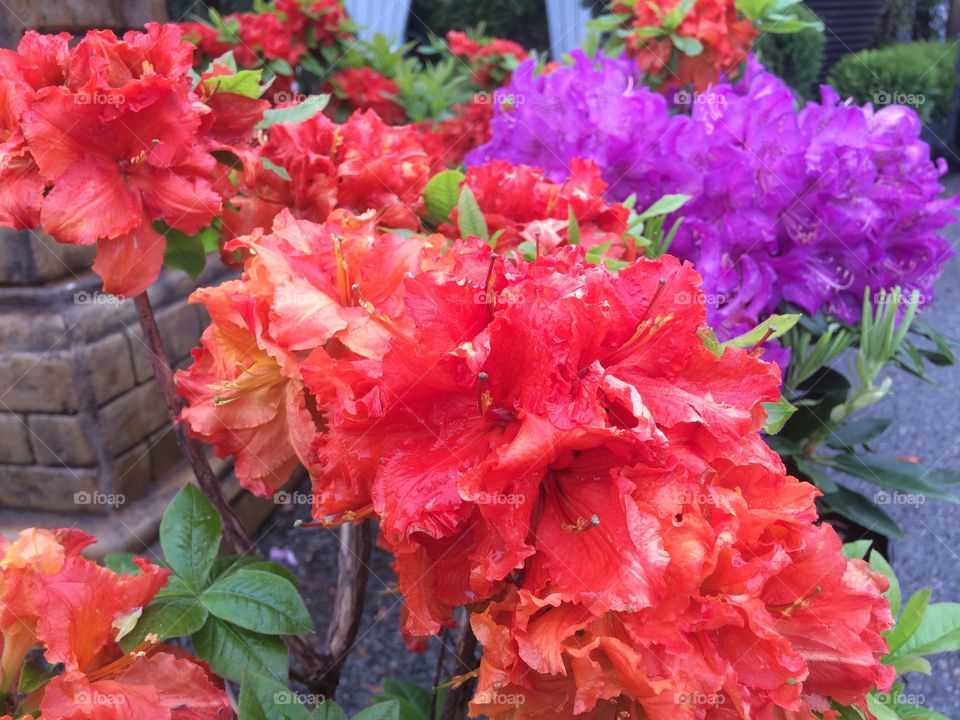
<point x="83" y="427"/>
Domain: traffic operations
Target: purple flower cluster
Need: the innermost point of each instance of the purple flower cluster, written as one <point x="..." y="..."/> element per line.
<point x="809" y="207"/>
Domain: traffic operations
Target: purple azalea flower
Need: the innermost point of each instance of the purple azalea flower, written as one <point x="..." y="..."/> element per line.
<point x="808" y="206"/>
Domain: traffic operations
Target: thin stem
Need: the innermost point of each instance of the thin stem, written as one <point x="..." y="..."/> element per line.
<point x="455" y="703"/>
<point x="233" y="531"/>
<point x="320" y="672"/>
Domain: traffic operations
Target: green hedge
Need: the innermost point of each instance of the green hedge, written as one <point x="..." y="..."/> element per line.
<point x="796" y="57"/>
<point x="524" y="21"/>
<point x="919" y="74"/>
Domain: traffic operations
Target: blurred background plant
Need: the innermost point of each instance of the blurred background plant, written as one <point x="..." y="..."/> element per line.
<point x="797" y="58"/>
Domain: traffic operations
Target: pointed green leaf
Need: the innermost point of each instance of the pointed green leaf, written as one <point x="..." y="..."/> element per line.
<point x="441" y="194"/>
<point x="231" y="650"/>
<point x="776" y="325"/>
<point x="470" y="216"/>
<point x="389" y="710"/>
<point x="263" y="698"/>
<point x="258" y="600"/>
<point x="190" y="536"/>
<point x="909" y="621"/>
<point x="778" y="414"/>
<point x="879" y="563"/>
<point x="168" y="618"/>
<point x="294" y="113"/>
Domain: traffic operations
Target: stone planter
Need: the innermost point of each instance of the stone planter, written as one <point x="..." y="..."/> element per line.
<point x="74" y="16"/>
<point x="387" y="17"/>
<point x="85" y="438"/>
<point x="567" y="21"/>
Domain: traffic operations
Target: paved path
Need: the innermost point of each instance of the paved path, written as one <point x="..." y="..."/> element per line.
<point x="928" y="426"/>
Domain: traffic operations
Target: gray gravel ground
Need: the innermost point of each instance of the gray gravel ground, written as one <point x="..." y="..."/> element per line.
<point x="927" y="426"/>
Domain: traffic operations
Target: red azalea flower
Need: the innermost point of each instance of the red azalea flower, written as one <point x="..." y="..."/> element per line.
<point x="716" y="24"/>
<point x="305" y="287"/>
<point x="520" y="205"/>
<point x="365" y="89"/>
<point x="448" y="141"/>
<point x="103" y="140"/>
<point x="359" y="165"/>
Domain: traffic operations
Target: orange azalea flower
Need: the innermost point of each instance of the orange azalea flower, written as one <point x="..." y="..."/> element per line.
<point x="311" y="294"/>
<point x="75" y="610"/>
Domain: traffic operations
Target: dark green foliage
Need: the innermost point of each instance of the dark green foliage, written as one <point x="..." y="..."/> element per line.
<point x="795" y="57"/>
<point x="918" y="74"/>
<point x="524" y="21"/>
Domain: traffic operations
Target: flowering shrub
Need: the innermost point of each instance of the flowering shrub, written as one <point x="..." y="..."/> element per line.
<point x="551" y="438"/>
<point x="79" y="614"/>
<point x="686" y="43"/>
<point x="696" y="43"/>
<point x="107" y="138"/>
<point x="278" y="36"/>
<point x="808" y="208"/>
<point x="315" y="165"/>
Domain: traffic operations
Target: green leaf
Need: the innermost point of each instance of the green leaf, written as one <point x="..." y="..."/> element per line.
<point x="441" y="194"/>
<point x="664" y="206"/>
<point x="856" y="507"/>
<point x="776" y="325"/>
<point x="687" y="45"/>
<point x="263" y="698"/>
<point x="858" y="432"/>
<point x="230" y="563"/>
<point x="33" y="677"/>
<point x="856" y="550"/>
<point x="778" y="414"/>
<point x="816" y="475"/>
<point x="879" y="563"/>
<point x="573" y="227"/>
<point x="891" y="473"/>
<point x="910" y="663"/>
<point x="389" y="710"/>
<point x="710" y="341"/>
<point x="258" y="600"/>
<point x="121" y="563"/>
<point x="414" y="700"/>
<point x="295" y="113"/>
<point x="167" y="617"/>
<point x="231" y="650"/>
<point x="183" y="252"/>
<point x="190" y="536"/>
<point x="329" y="711"/>
<point x="274" y="168"/>
<point x="939" y="632"/>
<point x="881" y="711"/>
<point x="909" y="621"/>
<point x="244" y="82"/>
<point x="470" y="217"/>
<point x="279" y="66"/>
